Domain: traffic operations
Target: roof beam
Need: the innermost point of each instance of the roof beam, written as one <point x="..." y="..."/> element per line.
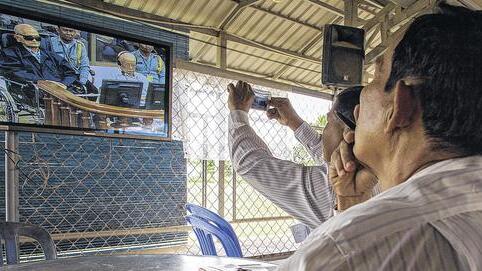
<point x="379" y="3"/>
<point x="128" y="13"/>
<point x="366" y="9"/>
<point x="233" y="14"/>
<point x="303" y="51"/>
<point x="331" y="9"/>
<point x="247" y="3"/>
<point x="351" y="12"/>
<point x="221" y="51"/>
<point x="289" y="53"/>
<point x="171" y="24"/>
<point x="279" y="15"/>
<point x="370" y="4"/>
<point x="378" y="17"/>
<point x="471" y="4"/>
<point x="400" y="17"/>
<point x="315" y="91"/>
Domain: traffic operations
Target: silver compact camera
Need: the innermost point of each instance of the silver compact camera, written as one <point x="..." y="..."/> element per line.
<point x="261" y="99"/>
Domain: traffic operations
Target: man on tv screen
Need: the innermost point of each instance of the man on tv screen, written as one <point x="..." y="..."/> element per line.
<point x="127" y="72"/>
<point x="26" y="61"/>
<point x="150" y="64"/>
<point x="72" y="49"/>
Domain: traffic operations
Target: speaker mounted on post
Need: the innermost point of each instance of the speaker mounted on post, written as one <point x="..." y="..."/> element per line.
<point x="343" y="56"/>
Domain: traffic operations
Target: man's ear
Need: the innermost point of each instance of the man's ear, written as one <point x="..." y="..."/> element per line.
<point x="405" y="107"/>
<point x="17" y="38"/>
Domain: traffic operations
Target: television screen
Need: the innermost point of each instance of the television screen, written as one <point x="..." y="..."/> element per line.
<point x="57" y="78"/>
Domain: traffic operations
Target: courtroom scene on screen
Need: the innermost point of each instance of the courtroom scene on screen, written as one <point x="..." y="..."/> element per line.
<point x="55" y="76"/>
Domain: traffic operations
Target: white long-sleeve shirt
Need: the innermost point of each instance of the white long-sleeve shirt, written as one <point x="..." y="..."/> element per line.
<point x="301" y="191"/>
<point x="432" y="221"/>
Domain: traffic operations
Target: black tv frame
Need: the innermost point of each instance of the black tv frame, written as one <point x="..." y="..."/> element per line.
<point x="95" y="29"/>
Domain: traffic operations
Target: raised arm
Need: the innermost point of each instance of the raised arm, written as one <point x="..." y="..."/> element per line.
<point x="301" y="191"/>
<point x="284" y="113"/>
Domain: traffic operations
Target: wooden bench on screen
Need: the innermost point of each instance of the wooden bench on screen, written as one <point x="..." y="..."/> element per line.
<point x="62" y="108"/>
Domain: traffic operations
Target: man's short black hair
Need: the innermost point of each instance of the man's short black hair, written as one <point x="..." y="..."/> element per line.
<point x="445" y="49"/>
<point x="345" y="104"/>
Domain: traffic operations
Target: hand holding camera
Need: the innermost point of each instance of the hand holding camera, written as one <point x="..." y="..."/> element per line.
<point x="240" y="97"/>
<point x="282" y="110"/>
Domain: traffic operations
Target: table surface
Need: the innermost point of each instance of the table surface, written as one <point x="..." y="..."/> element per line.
<point x="142" y="262"/>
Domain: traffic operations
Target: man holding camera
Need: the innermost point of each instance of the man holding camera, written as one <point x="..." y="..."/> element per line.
<point x="302" y="191"/>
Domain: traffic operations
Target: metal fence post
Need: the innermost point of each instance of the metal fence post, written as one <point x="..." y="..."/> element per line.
<point x="204" y="192"/>
<point x="221" y="189"/>
<point x="11" y="176"/>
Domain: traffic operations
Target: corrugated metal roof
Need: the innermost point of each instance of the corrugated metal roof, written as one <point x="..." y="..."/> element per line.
<point x="291" y="25"/>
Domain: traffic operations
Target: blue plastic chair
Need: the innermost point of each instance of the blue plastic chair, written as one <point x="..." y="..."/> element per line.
<point x="206" y="224"/>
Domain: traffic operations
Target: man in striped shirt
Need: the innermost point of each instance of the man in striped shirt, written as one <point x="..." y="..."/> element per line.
<point x="419" y="131"/>
<point x="307" y="197"/>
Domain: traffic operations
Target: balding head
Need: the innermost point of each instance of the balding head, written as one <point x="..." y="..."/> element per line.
<point x="127" y="62"/>
<point x="27" y="35"/>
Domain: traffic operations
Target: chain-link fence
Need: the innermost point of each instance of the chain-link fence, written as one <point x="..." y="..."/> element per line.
<point x="200" y="120"/>
<point x="102" y="195"/>
<point x="105" y="195"/>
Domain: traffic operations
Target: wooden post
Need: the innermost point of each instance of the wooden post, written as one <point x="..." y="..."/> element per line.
<point x="55" y="112"/>
<point x="65" y="115"/>
<point x="85" y="116"/>
<point x="101" y="122"/>
<point x="123" y="122"/>
<point x="74" y="118"/>
<point x="48" y="109"/>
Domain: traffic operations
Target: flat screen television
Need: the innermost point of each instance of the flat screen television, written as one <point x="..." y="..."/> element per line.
<point x="156" y="96"/>
<point x="58" y="77"/>
<point x="121" y="93"/>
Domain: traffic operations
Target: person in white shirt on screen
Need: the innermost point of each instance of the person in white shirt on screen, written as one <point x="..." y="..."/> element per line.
<point x="419" y="130"/>
<point x="127" y="72"/>
<point x="302" y="191"/>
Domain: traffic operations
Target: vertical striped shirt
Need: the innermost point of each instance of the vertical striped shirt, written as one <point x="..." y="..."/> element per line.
<point x="304" y="192"/>
<point x="301" y="191"/>
<point x="432" y="221"/>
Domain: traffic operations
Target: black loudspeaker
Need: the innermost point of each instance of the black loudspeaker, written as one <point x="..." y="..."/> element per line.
<point x="343" y="56"/>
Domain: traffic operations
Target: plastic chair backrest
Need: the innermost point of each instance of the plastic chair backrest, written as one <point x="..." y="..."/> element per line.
<point x="208" y="230"/>
<point x="205" y="242"/>
<point x="217" y="220"/>
<point x="10" y="231"/>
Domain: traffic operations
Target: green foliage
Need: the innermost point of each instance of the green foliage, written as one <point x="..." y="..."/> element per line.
<point x="321" y="121"/>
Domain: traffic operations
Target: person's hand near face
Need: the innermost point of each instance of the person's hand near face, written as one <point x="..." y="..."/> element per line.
<point x="284" y="113"/>
<point x="351" y="183"/>
<point x="240" y="97"/>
